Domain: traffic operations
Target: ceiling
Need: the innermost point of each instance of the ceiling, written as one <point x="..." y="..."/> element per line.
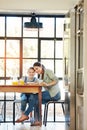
<point x="37" y="6"/>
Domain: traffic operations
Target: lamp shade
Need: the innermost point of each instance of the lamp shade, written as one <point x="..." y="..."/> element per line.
<point x="33" y="23"/>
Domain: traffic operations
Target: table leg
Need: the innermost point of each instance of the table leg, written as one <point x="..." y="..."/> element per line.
<point x="40" y="105"/>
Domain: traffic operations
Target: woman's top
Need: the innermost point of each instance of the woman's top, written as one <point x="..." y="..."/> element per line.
<point x="48" y="77"/>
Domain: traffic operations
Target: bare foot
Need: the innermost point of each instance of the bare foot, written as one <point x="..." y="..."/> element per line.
<point x="22" y="118"/>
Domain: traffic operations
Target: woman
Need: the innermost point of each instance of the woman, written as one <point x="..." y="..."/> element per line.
<point x="49" y="83"/>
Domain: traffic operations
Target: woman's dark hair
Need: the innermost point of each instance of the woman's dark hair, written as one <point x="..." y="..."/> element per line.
<point x="37" y="64"/>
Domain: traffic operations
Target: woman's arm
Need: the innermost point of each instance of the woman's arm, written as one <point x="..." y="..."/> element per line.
<point x="48" y="84"/>
<point x="49" y="78"/>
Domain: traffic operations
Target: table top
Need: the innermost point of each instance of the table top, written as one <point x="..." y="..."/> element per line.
<point x="28" y="88"/>
<point x="25" y="84"/>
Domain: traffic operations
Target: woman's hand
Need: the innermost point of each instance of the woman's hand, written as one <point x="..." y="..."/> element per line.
<point x="43" y="84"/>
<point x="47" y="84"/>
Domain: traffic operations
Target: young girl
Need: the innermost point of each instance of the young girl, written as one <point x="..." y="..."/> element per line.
<point x="27" y="98"/>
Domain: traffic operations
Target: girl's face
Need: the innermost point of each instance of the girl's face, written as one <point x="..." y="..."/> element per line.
<point x="38" y="69"/>
<point x="31" y="73"/>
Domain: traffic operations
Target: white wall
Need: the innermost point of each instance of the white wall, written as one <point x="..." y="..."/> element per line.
<point x="85" y="64"/>
<point x="36" y="5"/>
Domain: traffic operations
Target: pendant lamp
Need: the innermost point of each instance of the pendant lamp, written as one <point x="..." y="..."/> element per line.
<point x="33" y="23"/>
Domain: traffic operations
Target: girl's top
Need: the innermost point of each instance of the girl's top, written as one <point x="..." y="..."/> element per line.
<point x="26" y="79"/>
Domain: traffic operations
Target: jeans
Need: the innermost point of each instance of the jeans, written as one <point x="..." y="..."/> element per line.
<point x="30" y="100"/>
<point x="45" y="98"/>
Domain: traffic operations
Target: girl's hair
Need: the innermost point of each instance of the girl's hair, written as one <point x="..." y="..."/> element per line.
<point x="31" y="68"/>
<point x="39" y="65"/>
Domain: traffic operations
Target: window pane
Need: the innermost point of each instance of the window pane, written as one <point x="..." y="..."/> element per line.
<point x="2" y="50"/>
<point x="30" y="48"/>
<point x="59" y="68"/>
<point x="66" y="47"/>
<point x="47" y="49"/>
<point x="62" y="89"/>
<point x="59" y="49"/>
<point x="26" y="64"/>
<point x="48" y="64"/>
<point x="59" y="27"/>
<point x="12" y="48"/>
<point x="9" y="81"/>
<point x="48" y="27"/>
<point x="10" y="96"/>
<point x="9" y="111"/>
<point x="1" y="68"/>
<point x="2" y="26"/>
<point x="17" y="95"/>
<point x="29" y="32"/>
<point x="2" y="82"/>
<point x="12" y="67"/>
<point x="14" y="26"/>
<point x="1" y="96"/>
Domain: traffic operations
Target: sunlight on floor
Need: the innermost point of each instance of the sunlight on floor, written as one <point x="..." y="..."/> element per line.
<point x="26" y="126"/>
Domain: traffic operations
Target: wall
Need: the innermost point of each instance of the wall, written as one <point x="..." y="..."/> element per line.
<point x="36" y="5"/>
<point x="72" y="70"/>
<point x="85" y="65"/>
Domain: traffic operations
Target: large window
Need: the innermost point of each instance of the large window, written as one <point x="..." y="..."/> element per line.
<point x="21" y="47"/>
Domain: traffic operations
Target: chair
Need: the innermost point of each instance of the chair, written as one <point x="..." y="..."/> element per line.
<point x="15" y="101"/>
<point x="62" y="102"/>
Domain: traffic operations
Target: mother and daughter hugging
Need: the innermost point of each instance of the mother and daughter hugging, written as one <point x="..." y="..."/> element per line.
<point x="29" y="101"/>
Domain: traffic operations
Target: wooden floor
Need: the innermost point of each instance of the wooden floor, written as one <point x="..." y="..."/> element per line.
<point x="62" y="124"/>
<point x="26" y="126"/>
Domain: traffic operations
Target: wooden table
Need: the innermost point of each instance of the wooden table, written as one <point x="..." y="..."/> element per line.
<point x="27" y="88"/>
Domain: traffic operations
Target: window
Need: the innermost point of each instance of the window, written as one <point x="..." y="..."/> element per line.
<point x="48" y="27"/>
<point x="21" y="47"/>
<point x="13" y="25"/>
<point x="2" y="26"/>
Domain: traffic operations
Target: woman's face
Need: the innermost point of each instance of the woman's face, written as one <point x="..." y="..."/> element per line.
<point x="38" y="69"/>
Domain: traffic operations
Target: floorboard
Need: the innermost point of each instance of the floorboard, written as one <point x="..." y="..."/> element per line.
<point x="26" y="126"/>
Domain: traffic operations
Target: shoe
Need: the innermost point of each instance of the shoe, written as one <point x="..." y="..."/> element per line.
<point x="36" y="123"/>
<point x="22" y="118"/>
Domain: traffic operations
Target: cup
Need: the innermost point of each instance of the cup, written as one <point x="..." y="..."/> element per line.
<point x="14" y="82"/>
<point x="21" y="82"/>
